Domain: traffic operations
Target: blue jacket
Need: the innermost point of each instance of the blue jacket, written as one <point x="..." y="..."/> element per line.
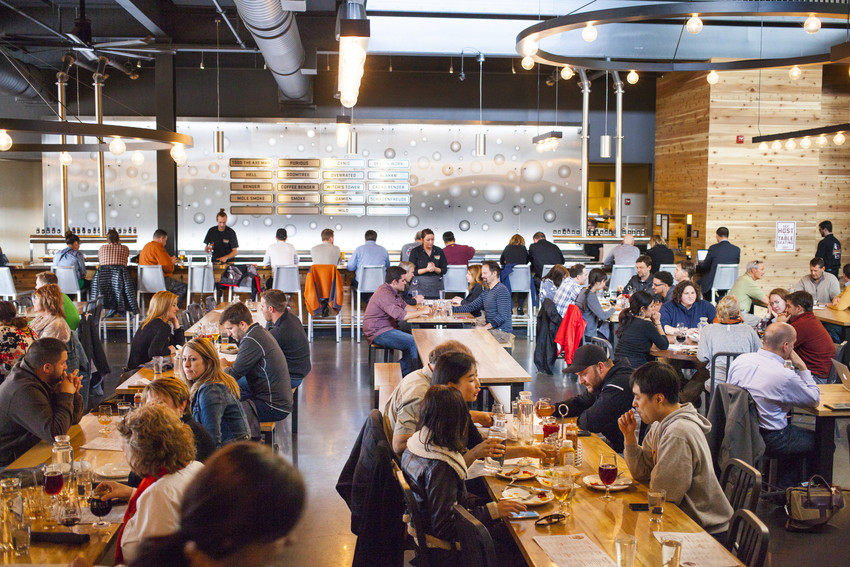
<point x="673" y="313"/>
<point x="217" y="409"/>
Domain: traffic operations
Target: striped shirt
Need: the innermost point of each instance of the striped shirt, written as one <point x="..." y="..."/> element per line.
<point x="497" y="306"/>
<point x="113" y="255"/>
<point x="566" y="295"/>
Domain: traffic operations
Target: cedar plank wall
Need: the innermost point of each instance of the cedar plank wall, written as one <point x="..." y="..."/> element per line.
<point x="834" y="174"/>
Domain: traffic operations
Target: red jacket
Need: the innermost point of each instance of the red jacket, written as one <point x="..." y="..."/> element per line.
<point x="571" y="332"/>
<point x="814" y="345"/>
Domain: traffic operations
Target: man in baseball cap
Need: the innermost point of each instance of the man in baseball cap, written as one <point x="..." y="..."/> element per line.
<point x="608" y="393"/>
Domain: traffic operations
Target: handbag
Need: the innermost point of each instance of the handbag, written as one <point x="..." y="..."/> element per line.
<point x="808" y="507"/>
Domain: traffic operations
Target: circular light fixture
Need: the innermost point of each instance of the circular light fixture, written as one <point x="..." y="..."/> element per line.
<point x="694" y="25"/>
<point x="589" y="33"/>
<point x="178" y="154"/>
<point x="763" y="147"/>
<point x="632" y="77"/>
<point x="65" y="159"/>
<point x="5" y="141"/>
<point x="790" y="144"/>
<point x="795" y="73"/>
<point x="567" y="73"/>
<point x="806" y="143"/>
<point x="527" y="63"/>
<point x="117" y="146"/>
<point x="712" y="77"/>
<point x="812" y="24"/>
<point x="138" y="158"/>
<point x="776" y="145"/>
<point x="821" y="141"/>
<point x="839" y="139"/>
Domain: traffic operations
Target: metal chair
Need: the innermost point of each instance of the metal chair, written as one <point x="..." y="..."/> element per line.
<point x="724" y="278"/>
<point x="729" y="356"/>
<point x="520" y="280"/>
<point x="620" y="276"/>
<point x="69" y="283"/>
<point x="599" y="341"/>
<point x="201" y="280"/>
<point x="742" y="485"/>
<point x="476" y="545"/>
<point x="151" y="280"/>
<point x="748" y="538"/>
<point x="209" y="303"/>
<point x="670" y="268"/>
<point x="546" y="269"/>
<point x="423" y="556"/>
<point x="7" y="286"/>
<point x="369" y="279"/>
<point x="195" y="314"/>
<point x="454" y="281"/>
<point x="186" y="319"/>
<point x="288" y="280"/>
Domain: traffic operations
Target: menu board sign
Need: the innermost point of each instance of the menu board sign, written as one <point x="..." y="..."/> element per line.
<point x="344" y="199"/>
<point x="389" y="199"/>
<point x="298" y="197"/>
<point x="388" y="211"/>
<point x="294" y="210"/>
<point x="250" y="198"/>
<point x="390" y="187"/>
<point x="340" y="210"/>
<point x="299" y="163"/>
<point x="337" y="162"/>
<point x="250" y="174"/>
<point x="390" y="175"/>
<point x="297" y="186"/>
<point x="297" y="174"/>
<point x="251" y="210"/>
<point x="344" y="187"/>
<point x="342" y="174"/>
<point x="251" y="162"/>
<point x="251" y="186"/>
<point x="786" y="236"/>
<point x="389" y="163"/>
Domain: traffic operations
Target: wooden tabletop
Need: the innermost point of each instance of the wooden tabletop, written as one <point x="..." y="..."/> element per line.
<point x="830" y="394"/>
<point x="601" y="521"/>
<point x="80" y="305"/>
<point x="675" y="354"/>
<point x="841" y="318"/>
<point x="214" y="316"/>
<point x="495" y="364"/>
<point x="455" y="319"/>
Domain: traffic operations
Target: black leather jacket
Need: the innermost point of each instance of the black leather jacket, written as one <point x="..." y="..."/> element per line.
<point x="437" y="487"/>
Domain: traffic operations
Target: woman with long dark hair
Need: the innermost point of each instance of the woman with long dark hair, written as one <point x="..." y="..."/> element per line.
<point x="640" y="328"/>
<point x="71" y="256"/>
<point x="595" y="318"/>
<point x="476" y="286"/>
<point x="552" y="281"/>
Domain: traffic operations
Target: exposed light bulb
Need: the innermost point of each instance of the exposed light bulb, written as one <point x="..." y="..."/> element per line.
<point x="117" y="146"/>
<point x="632" y="77"/>
<point x="202" y="65"/>
<point x="790" y="144"/>
<point x="694" y="24"/>
<point x="795" y="73"/>
<point x="806" y="143"/>
<point x="138" y="158"/>
<point x="821" y="141"/>
<point x="763" y="147"/>
<point x="138" y="64"/>
<point x="343" y="132"/>
<point x="527" y="63"/>
<point x="451" y="69"/>
<point x="839" y="139"/>
<point x="528" y="48"/>
<point x="178" y="154"/>
<point x="589" y="33"/>
<point x="812" y="24"/>
<point x="65" y="159"/>
<point x="5" y="141"/>
<point x="712" y="77"/>
<point x="776" y="145"/>
<point x="567" y="73"/>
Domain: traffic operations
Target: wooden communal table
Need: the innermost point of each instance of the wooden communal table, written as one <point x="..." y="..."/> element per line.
<point x="44" y="553"/>
<point x="600" y="521"/>
<point x="214" y="315"/>
<point x="138" y="381"/>
<point x="684" y="356"/>
<point x="825" y="426"/>
<point x="840" y="318"/>
<point x="496" y="367"/>
<point x="457" y="320"/>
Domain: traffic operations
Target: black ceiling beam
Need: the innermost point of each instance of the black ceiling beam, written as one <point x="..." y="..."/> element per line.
<point x="147" y="13"/>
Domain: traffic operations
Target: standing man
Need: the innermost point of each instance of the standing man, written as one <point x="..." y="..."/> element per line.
<point x="260" y="368"/>
<point x="776" y="390"/>
<point x="405" y="250"/>
<point x="456" y="254"/>
<point x="541" y="253"/>
<point x="289" y="333"/>
<point x="641" y="281"/>
<point x="829" y="248"/>
<point x="154" y="254"/>
<point x="38" y="399"/>
<point x="724" y="252"/>
<point x="386" y="309"/>
<point x="813" y="343"/>
<point x="820" y="284"/>
<point x="570" y="288"/>
<point x="280" y="252"/>
<point x="326" y="252"/>
<point x="221" y="240"/>
<point x="369" y="253"/>
<point x="496" y="302"/>
<point x="746" y="290"/>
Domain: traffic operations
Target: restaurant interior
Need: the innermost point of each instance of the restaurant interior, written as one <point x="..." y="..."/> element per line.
<point x="487" y="119"/>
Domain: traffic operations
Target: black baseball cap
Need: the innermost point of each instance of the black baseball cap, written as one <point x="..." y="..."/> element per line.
<point x="586" y="355"/>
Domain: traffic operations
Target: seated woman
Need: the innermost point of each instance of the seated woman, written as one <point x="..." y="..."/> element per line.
<point x="159" y="333"/>
<point x="595" y="318"/>
<point x="686" y="308"/>
<point x="551" y="282"/>
<point x="639" y="329"/>
<point x="435" y="467"/>
<point x="728" y="333"/>
<point x="775" y="309"/>
<point x="15" y="337"/>
<point x="476" y="286"/>
<point x="214" y="395"/>
<point x="238" y="510"/>
<point x="160" y="449"/>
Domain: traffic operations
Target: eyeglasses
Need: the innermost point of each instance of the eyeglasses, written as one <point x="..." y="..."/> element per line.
<point x="550" y="519"/>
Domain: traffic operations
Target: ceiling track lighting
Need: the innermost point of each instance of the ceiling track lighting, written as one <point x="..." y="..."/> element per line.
<point x="805" y="137"/>
<point x="548" y="141"/>
<point x="5" y="141"/>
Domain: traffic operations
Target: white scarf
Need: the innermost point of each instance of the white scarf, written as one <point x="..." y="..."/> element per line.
<point x="417" y="446"/>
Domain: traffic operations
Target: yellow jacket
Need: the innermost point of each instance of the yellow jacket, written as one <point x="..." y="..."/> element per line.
<point x="843" y="300"/>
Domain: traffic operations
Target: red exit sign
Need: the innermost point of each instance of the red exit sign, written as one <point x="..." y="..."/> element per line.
<point x="739" y="140"/>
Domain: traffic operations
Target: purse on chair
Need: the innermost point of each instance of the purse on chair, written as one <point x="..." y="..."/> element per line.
<point x="808" y="507"/>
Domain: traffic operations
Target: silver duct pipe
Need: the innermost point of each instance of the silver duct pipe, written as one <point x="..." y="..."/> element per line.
<point x="13" y="83"/>
<point x="99" y="77"/>
<point x="584" y="84"/>
<point x="61" y="84"/>
<point x="276" y="34"/>
<point x="618" y="162"/>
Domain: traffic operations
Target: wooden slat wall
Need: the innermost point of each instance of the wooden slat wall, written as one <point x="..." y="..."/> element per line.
<point x="834" y="166"/>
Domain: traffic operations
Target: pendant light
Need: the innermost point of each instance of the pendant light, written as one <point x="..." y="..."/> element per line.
<point x="218" y="142"/>
<point x="605" y="139"/>
<point x="480" y="137"/>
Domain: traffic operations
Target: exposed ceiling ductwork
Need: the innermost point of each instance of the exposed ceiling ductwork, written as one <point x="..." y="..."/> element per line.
<point x="13" y="83"/>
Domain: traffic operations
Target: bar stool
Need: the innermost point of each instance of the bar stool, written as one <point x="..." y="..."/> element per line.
<point x="454" y="281"/>
<point x="287" y="280"/>
<point x="520" y="279"/>
<point x="68" y="281"/>
<point x="7" y="286"/>
<point x="201" y="280"/>
<point x="151" y="280"/>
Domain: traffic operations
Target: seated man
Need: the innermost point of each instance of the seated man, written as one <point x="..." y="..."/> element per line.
<point x="570" y="288"/>
<point x="840" y="303"/>
<point x="776" y="390"/>
<point x="623" y="254"/>
<point x="674" y="456"/>
<point x="260" y="368"/>
<point x="746" y="290"/>
<point x="38" y="399"/>
<point x="386" y="309"/>
<point x="542" y="253"/>
<point x="456" y="254"/>
<point x="662" y="284"/>
<point x="685" y="270"/>
<point x="814" y="345"/>
<point x="820" y="284"/>
<point x="326" y="252"/>
<point x="608" y="393"/>
<point x="409" y="298"/>
<point x="154" y="254"/>
<point x="280" y="252"/>
<point x="72" y="316"/>
<point x="641" y="281"/>
<point x="113" y="253"/>
<point x="496" y="302"/>
<point x="289" y="333"/>
<point x="370" y="253"/>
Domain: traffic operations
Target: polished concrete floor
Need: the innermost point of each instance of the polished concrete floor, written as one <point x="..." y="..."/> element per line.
<point x="335" y="402"/>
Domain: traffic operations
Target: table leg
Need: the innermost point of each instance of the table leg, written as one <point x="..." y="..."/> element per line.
<point x="516" y="388"/>
<point x="824" y="447"/>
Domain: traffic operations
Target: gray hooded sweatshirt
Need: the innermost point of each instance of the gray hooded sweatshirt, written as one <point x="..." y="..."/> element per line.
<point x="675" y="457"/>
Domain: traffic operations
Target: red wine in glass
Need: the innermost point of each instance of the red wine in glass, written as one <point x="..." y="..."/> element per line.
<point x="607" y="474"/>
<point x="53" y="482"/>
<point x="100" y="508"/>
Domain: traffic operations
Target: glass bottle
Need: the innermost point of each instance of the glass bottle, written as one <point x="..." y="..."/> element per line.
<point x="498" y="430"/>
<point x="63" y="457"/>
<point x="525" y="431"/>
<point x="567" y="454"/>
<point x="703" y="322"/>
<point x="10" y="509"/>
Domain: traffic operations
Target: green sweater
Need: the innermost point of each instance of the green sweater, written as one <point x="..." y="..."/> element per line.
<point x="72" y="316"/>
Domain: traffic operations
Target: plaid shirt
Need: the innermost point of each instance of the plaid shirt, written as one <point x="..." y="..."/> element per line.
<point x="113" y="254"/>
<point x="566" y="295"/>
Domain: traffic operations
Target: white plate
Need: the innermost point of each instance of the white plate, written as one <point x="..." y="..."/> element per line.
<point x="592" y="481"/>
<point x="524" y="473"/>
<point x="116" y="470"/>
<point x="532" y="498"/>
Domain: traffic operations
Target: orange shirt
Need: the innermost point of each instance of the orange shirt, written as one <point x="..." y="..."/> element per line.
<point x="154" y="254"/>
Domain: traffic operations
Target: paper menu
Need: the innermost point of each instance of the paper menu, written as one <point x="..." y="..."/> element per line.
<point x="110" y="443"/>
<point x="576" y="550"/>
<point x="699" y="549"/>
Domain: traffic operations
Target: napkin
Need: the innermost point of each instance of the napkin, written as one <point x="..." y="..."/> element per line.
<point x="69" y="538"/>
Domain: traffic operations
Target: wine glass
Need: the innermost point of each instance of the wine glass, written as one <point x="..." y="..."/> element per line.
<point x="104" y="417"/>
<point x="69" y="511"/>
<point x="681" y="333"/>
<point x="608" y="474"/>
<point x="564" y="489"/>
<point x="100" y="508"/>
<point x="52" y="484"/>
<point x="544" y="407"/>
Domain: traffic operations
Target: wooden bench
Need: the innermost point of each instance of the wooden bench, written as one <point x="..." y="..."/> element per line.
<point x="387" y="377"/>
